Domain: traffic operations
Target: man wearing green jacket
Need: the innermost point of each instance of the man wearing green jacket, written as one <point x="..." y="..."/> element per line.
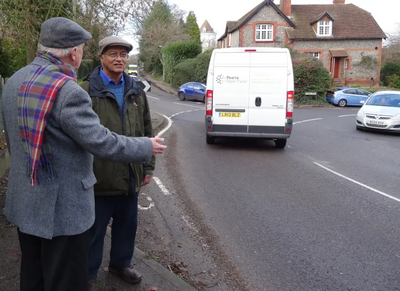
<point x="123" y="108"/>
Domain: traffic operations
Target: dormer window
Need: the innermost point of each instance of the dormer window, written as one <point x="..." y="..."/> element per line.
<point x="204" y="29"/>
<point x="324" y="28"/>
<point x="264" y="32"/>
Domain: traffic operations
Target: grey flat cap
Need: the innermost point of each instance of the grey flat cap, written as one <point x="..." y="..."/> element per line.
<point x="113" y="41"/>
<point x="60" y="32"/>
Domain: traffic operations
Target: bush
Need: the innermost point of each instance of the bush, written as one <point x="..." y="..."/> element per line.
<point x="310" y="75"/>
<point x="394" y="81"/>
<point x="175" y="52"/>
<point x="85" y="69"/>
<point x="192" y="70"/>
<point x="388" y="70"/>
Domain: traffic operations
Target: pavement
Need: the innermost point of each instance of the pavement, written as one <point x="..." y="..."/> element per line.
<point x="155" y="276"/>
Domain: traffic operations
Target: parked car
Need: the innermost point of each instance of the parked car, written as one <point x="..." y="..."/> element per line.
<point x="344" y="96"/>
<point x="192" y="91"/>
<point x="380" y="112"/>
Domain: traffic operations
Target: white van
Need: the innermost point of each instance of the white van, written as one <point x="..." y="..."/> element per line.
<point x="250" y="94"/>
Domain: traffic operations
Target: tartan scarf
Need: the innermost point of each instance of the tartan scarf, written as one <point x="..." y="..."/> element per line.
<point x="35" y="100"/>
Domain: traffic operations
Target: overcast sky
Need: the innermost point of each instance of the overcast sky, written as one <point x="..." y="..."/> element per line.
<point x="218" y="12"/>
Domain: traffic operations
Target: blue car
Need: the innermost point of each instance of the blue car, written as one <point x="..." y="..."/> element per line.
<point x="192" y="91"/>
<point x="344" y="96"/>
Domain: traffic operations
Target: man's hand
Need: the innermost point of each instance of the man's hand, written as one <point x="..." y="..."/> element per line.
<point x="146" y="180"/>
<point x="157" y="148"/>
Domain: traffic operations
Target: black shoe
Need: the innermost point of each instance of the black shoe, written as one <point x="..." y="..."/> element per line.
<point x="129" y="274"/>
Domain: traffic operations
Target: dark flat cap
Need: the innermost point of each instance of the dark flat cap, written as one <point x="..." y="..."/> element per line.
<point x="60" y="32"/>
<point x="113" y="41"/>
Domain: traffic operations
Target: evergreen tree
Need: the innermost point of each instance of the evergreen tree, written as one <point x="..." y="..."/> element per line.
<point x="192" y="28"/>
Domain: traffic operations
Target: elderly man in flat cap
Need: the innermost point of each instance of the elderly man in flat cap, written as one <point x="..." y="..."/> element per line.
<point x="122" y="107"/>
<point x="52" y="134"/>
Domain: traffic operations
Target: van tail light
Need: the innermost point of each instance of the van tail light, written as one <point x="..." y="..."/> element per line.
<point x="290" y="104"/>
<point x="209" y="99"/>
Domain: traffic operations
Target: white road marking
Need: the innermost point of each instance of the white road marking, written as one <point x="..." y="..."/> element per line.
<point x="188" y="105"/>
<point x="150" y="205"/>
<point x="358" y="183"/>
<point x="347" y="115"/>
<point x="167" y="127"/>
<point x="186" y="111"/>
<point x="307" y="120"/>
<point x="162" y="187"/>
<point x="148" y="96"/>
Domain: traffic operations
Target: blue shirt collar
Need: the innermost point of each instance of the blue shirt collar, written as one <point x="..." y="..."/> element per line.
<point x="108" y="80"/>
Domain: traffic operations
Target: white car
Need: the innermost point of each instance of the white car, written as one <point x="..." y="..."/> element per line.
<point x="380" y="112"/>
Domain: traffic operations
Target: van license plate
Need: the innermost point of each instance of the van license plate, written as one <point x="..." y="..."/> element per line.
<point x="229" y="114"/>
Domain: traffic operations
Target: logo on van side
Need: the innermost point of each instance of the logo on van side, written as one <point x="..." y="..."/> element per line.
<point x="220" y="79"/>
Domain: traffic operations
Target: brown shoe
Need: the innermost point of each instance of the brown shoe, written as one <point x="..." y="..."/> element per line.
<point x="92" y="284"/>
<point x="129" y="274"/>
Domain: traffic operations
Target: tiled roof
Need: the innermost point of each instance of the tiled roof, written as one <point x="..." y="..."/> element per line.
<point x="207" y="26"/>
<point x="230" y="26"/>
<point x="349" y="22"/>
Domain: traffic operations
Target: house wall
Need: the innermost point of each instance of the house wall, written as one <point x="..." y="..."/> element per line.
<point x="208" y="40"/>
<point x="356" y="49"/>
<point x="266" y="15"/>
<point x="235" y="38"/>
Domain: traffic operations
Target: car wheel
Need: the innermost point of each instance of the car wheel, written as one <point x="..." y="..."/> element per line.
<point x="359" y="127"/>
<point x="210" y="139"/>
<point x="342" y="103"/>
<point x="204" y="99"/>
<point x="280" y="143"/>
<point x="181" y="96"/>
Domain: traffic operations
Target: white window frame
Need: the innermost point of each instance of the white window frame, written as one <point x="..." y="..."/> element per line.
<point x="346" y="63"/>
<point x="314" y="54"/>
<point x="229" y="39"/>
<point x="265" y="32"/>
<point x="324" y="28"/>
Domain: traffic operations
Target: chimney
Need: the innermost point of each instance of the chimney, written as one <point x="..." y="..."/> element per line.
<point x="339" y="2"/>
<point x="286" y="7"/>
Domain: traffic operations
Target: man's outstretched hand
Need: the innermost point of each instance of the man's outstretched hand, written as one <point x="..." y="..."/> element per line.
<point x="157" y="148"/>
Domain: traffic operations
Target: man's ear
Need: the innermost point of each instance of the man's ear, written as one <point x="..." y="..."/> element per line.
<point x="73" y="53"/>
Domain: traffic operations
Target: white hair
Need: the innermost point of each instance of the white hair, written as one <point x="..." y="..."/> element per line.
<point x="57" y="52"/>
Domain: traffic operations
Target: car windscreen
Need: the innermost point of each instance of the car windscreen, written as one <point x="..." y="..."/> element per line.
<point x="392" y="100"/>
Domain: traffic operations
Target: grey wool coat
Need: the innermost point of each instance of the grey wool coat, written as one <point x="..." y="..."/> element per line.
<point x="65" y="205"/>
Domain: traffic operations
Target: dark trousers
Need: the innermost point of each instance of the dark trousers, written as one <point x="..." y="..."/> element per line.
<point x="53" y="264"/>
<point x="124" y="211"/>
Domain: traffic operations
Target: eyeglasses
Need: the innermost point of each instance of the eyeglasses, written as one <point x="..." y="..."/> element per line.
<point x="115" y="55"/>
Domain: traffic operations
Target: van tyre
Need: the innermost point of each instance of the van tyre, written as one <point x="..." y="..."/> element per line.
<point x="210" y="139"/>
<point x="280" y="143"/>
<point x="181" y="96"/>
<point x="342" y="103"/>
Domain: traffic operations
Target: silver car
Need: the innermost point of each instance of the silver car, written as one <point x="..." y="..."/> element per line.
<point x="381" y="111"/>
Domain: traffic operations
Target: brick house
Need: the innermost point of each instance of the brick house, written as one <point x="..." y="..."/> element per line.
<point x="346" y="38"/>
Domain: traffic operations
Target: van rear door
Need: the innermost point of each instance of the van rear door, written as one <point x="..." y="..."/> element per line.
<point x="231" y="91"/>
<point x="268" y="91"/>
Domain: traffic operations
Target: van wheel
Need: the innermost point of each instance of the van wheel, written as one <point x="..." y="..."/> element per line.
<point x="280" y="143"/>
<point x="210" y="139"/>
<point x="342" y="103"/>
<point x="181" y="96"/>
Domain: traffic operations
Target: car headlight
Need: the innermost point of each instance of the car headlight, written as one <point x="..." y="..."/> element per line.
<point x="396" y="117"/>
<point x="360" y="113"/>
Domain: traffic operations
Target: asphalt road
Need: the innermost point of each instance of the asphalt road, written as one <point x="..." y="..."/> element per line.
<point x="322" y="214"/>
